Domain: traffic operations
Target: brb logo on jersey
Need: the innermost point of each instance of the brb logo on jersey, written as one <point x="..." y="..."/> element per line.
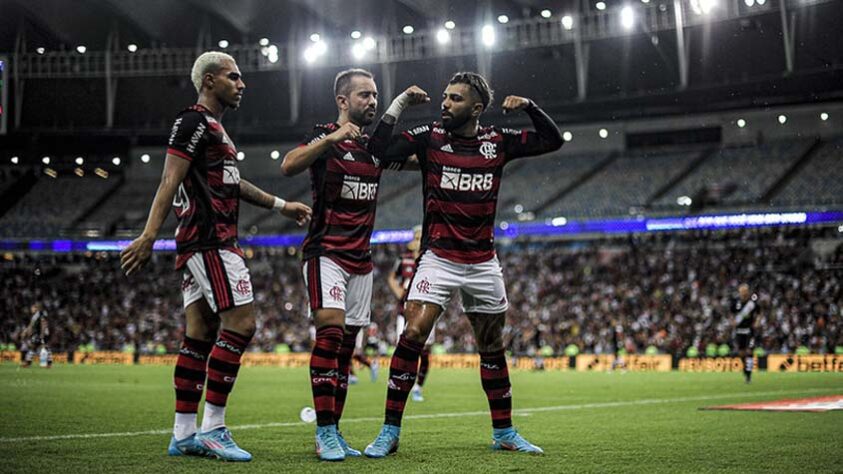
<point x="454" y="179"/>
<point x="353" y="188"/>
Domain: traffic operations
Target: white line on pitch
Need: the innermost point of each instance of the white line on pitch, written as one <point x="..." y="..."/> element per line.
<point x="522" y="411"/>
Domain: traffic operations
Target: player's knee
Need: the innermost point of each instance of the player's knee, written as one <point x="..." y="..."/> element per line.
<point x="415" y="333"/>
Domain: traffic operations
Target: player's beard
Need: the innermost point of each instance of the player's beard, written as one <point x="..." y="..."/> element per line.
<point x="362" y="117"/>
<point x="456" y="122"/>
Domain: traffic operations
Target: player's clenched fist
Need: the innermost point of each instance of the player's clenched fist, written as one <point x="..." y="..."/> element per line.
<point x="513" y="102"/>
<point x="348" y="131"/>
<point x="417" y="95"/>
<point x="297" y="211"/>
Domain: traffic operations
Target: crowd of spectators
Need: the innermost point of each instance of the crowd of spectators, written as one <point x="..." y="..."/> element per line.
<point x="668" y="291"/>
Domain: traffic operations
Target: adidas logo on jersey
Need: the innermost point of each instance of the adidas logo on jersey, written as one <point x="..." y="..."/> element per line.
<point x="454" y="179"/>
<point x="353" y="188"/>
<point x="348" y="157"/>
<point x="447" y="148"/>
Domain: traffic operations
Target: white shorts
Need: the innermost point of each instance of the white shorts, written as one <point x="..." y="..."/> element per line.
<point x="220" y="276"/>
<point x="480" y="285"/>
<point x="330" y="286"/>
<point x="400" y="325"/>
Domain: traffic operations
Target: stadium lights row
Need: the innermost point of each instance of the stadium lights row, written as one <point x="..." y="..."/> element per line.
<point x="46" y="160"/>
<point x="628" y="18"/>
<point x="782" y="119"/>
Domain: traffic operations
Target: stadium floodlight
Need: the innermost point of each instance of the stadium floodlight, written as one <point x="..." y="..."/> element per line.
<point x="408" y="29"/>
<point x="223" y="43"/>
<point x="782" y="119"/>
<point x="567" y="136"/>
<point x="241" y="156"/>
<point x="275" y="154"/>
<point x="15" y="160"/>
<point x="116" y="161"/>
<point x="369" y="43"/>
<point x="741" y="123"/>
<point x="487" y="35"/>
<point x="600" y="6"/>
<point x="450" y="25"/>
<point x="358" y="51"/>
<point x="684" y="201"/>
<point x="264" y="42"/>
<point x="603" y="133"/>
<point x="356" y="34"/>
<point x="40" y="50"/>
<point x="272" y="53"/>
<point x="749" y="3"/>
<point x="568" y="22"/>
<point x="145" y="158"/>
<point x="559" y="221"/>
<point x="645" y="1"/>
<point x="45" y="160"/>
<point x="702" y="7"/>
<point x="315" y="37"/>
<point x="81" y="49"/>
<point x="840" y="229"/>
<point x="315" y="51"/>
<point x="823" y="116"/>
<point x="760" y="2"/>
<point x="503" y="19"/>
<point x="627" y="17"/>
<point x="546" y="13"/>
<point x="443" y="36"/>
<point x="132" y="48"/>
<point x="79" y="160"/>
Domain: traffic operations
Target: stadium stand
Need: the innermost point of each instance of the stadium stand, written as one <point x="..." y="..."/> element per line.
<point x="818" y="183"/>
<point x="625" y="185"/>
<point x="739" y="175"/>
<point x="52" y="206"/>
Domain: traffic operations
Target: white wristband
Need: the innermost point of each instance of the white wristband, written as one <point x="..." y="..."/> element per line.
<point x="279" y="203"/>
<point x="398" y="105"/>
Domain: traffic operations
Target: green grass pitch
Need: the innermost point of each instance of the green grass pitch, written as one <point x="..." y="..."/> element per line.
<point x="586" y="422"/>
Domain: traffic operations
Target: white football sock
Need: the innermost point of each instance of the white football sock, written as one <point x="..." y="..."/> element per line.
<point x="185" y="425"/>
<point x="213" y="418"/>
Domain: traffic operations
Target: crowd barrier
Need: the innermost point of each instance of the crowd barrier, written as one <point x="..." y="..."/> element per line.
<point x="580" y="363"/>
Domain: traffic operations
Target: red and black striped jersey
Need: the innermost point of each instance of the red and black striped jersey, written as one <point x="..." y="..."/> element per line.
<point x="462" y="177"/>
<point x="404" y="269"/>
<point x="344" y="182"/>
<point x="207" y="201"/>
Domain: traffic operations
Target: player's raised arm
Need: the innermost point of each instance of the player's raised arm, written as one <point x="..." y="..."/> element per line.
<point x="390" y="148"/>
<point x="297" y="211"/>
<point x="300" y="158"/>
<point x="545" y="139"/>
<point x="135" y="256"/>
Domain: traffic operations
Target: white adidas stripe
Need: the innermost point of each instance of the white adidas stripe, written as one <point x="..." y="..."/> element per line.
<point x="522" y="412"/>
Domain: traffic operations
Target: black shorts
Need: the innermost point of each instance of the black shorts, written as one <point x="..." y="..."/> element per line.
<point x="745" y="341"/>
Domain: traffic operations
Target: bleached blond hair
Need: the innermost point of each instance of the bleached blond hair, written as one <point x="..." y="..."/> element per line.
<point x="207" y="62"/>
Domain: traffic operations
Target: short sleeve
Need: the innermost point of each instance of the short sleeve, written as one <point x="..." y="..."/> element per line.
<point x="188" y="136"/>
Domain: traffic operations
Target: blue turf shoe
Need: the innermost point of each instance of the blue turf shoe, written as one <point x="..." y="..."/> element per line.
<point x="349" y="451"/>
<point x="220" y="445"/>
<point x="328" y="446"/>
<point x="385" y="444"/>
<point x="186" y="447"/>
<point x="373" y="371"/>
<point x="508" y="439"/>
